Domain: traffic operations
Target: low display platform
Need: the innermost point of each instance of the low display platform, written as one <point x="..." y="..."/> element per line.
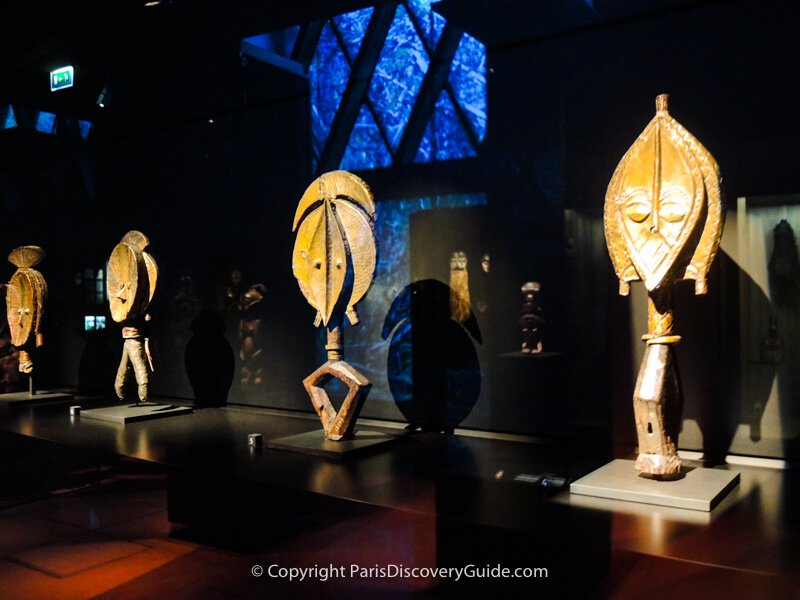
<point x="131" y="413"/>
<point x="315" y="442"/>
<point x="23" y="398"/>
<point x="699" y="488"/>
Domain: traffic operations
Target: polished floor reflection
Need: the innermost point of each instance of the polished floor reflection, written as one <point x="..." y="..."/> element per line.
<point x="75" y="527"/>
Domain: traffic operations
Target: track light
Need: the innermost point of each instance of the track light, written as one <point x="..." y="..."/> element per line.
<point x="104" y="99"/>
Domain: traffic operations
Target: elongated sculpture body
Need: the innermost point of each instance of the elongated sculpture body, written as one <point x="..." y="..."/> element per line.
<point x="663" y="223"/>
<point x="334" y="262"/>
<point x="131" y="284"/>
<point x="26" y="295"/>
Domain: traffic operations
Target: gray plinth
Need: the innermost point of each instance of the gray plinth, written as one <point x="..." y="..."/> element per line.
<point x="130" y="413"/>
<point x="22" y="398"/>
<point x="699" y="489"/>
<point x="315" y="442"/>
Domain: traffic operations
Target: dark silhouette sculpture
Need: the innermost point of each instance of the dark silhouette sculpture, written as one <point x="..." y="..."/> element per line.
<point x="209" y="361"/>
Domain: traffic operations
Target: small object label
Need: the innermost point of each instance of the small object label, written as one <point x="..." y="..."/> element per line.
<point x="254" y="440"/>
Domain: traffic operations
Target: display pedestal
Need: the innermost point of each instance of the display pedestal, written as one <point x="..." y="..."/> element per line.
<point x="315" y="442"/>
<point x="699" y="488"/>
<point x="22" y="398"/>
<point x="130" y="413"/>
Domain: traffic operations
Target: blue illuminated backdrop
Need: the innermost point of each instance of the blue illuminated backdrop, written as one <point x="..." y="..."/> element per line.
<point x="414" y="68"/>
<point x="458" y="121"/>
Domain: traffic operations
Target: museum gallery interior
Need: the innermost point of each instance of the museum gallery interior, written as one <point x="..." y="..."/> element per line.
<point x="399" y="299"/>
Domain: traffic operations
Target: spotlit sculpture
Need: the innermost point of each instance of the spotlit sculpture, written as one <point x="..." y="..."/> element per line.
<point x="334" y="262"/>
<point x="663" y="223"/>
<point x="26" y="295"/>
<point x="132" y="277"/>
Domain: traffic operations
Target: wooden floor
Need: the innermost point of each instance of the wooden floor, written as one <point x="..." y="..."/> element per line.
<point x="75" y="527"/>
<point x="112" y="539"/>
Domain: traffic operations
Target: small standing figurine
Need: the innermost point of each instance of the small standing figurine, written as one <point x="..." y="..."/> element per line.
<point x="532" y="320"/>
<point x="663" y="224"/>
<point x="26" y="295"/>
<point x="132" y="276"/>
<point x="251" y="352"/>
<point x="460" y="303"/>
<point x="334" y="261"/>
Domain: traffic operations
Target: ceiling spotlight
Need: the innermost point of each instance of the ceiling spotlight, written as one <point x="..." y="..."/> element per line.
<point x="104" y="99"/>
<point x="152" y="3"/>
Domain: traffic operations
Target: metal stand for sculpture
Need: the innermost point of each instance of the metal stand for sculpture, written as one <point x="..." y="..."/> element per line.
<point x="26" y="295"/>
<point x="663" y="223"/>
<point x="334" y="262"/>
<point x="132" y="277"/>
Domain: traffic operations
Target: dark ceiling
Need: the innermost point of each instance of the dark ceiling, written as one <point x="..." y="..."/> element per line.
<point x="178" y="60"/>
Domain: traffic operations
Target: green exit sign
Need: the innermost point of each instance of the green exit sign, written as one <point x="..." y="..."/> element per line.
<point x="62" y="78"/>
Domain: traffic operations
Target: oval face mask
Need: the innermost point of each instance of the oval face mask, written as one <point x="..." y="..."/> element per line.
<point x="334" y="254"/>
<point x="25" y="295"/>
<point x="663" y="209"/>
<point x="132" y="275"/>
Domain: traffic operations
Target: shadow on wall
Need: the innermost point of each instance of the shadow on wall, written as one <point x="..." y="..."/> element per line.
<point x="98" y="364"/>
<point x="433" y="368"/>
<point x="209" y="361"/>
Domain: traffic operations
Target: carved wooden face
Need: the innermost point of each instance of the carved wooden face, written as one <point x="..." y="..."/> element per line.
<point x="458" y="261"/>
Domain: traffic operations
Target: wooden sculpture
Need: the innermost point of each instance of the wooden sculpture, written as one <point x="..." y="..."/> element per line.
<point x="26" y="295"/>
<point x="532" y="320"/>
<point x="663" y="223"/>
<point x="460" y="303"/>
<point x="132" y="277"/>
<point x="334" y="261"/>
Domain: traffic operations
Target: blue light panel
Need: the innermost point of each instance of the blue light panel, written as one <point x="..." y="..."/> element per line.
<point x="430" y="22"/>
<point x="398" y="76"/>
<point x="351" y="27"/>
<point x="468" y="79"/>
<point x="46" y="122"/>
<point x="393" y="87"/>
<point x="366" y="149"/>
<point x="10" y="120"/>
<point x="85" y="128"/>
<point x="328" y="77"/>
<point x="444" y="137"/>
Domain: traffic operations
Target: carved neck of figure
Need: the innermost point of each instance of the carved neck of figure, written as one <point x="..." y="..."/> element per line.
<point x="335" y="345"/>
<point x="659" y="314"/>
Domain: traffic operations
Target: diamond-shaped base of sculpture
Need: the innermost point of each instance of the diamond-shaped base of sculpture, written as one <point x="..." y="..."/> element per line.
<point x="700" y="489"/>
<point x="130" y="413"/>
<point x="338" y="425"/>
<point x="315" y="442"/>
<point x="23" y="398"/>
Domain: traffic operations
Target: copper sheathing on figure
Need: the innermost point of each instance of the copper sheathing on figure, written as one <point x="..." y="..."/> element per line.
<point x="664" y="207"/>
<point x="131" y="285"/>
<point x="132" y="277"/>
<point x="663" y="223"/>
<point x="26" y="295"/>
<point x="334" y="262"/>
